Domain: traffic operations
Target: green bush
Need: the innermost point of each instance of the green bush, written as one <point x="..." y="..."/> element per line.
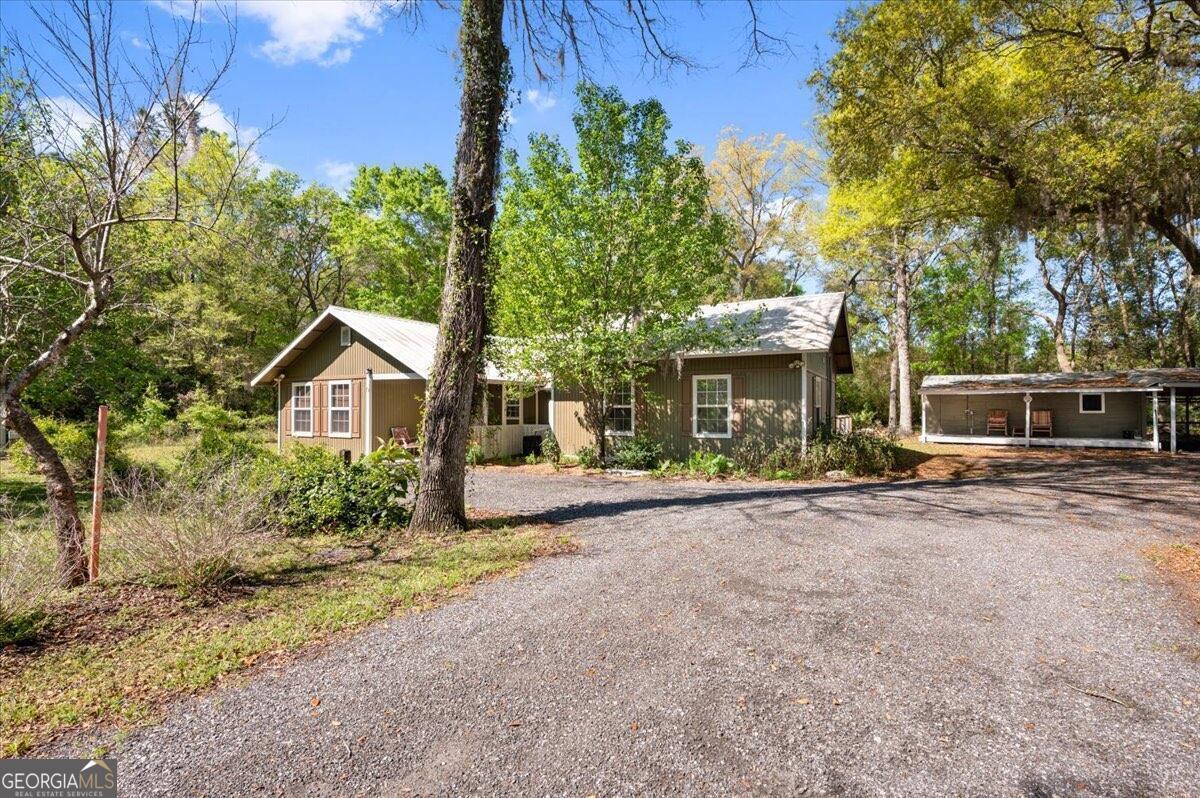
<point x="639" y="452"/>
<point x="475" y="454"/>
<point x="316" y="491"/>
<point x="551" y="451"/>
<point x="203" y="414"/>
<point x="710" y="464"/>
<point x="588" y="457"/>
<point x="858" y="453"/>
<point x="150" y="420"/>
<point x="864" y="419"/>
<point x="75" y="443"/>
<point x="217" y="450"/>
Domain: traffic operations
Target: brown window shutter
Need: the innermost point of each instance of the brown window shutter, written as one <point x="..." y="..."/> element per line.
<point x="356" y="408"/>
<point x="318" y="406"/>
<point x="739" y="404"/>
<point x="685" y="405"/>
<point x="286" y="409"/>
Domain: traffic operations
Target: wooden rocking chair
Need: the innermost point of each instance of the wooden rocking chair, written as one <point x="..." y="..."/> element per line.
<point x="997" y="421"/>
<point x="1041" y="422"/>
<point x="405" y="439"/>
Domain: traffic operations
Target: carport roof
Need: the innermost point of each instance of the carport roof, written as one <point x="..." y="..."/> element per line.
<point x="1134" y="379"/>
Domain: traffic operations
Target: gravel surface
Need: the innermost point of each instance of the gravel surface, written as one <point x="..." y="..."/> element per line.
<point x="1000" y="636"/>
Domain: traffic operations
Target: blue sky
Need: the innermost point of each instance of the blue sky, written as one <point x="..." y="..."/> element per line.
<point x="349" y="86"/>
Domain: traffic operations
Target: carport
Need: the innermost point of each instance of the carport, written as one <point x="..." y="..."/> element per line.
<point x="1151" y="409"/>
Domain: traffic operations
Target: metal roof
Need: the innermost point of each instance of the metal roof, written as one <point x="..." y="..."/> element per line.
<point x="1133" y="379"/>
<point x="807" y="323"/>
<point x="790" y="324"/>
<point x="410" y="343"/>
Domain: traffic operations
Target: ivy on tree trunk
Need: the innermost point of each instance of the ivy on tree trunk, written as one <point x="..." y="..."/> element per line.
<point x="440" y="504"/>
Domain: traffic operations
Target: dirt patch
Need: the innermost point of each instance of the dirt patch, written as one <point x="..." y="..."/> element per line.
<point x="1180" y="560"/>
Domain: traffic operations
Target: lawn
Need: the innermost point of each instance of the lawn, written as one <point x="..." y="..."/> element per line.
<point x="117" y="650"/>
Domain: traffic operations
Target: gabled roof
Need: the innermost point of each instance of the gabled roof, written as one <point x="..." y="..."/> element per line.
<point x="1132" y="379"/>
<point x="791" y="324"/>
<point x="410" y="343"/>
<point x="809" y="323"/>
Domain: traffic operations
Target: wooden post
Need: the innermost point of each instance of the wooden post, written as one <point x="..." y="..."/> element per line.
<point x="1172" y="421"/>
<point x="1154" y="417"/>
<point x="98" y="492"/>
<point x="1028" y="417"/>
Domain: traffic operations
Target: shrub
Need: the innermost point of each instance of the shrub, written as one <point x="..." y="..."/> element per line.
<point x="189" y="536"/>
<point x="639" y="452"/>
<point x="475" y="454"/>
<point x="588" y="457"/>
<point x="150" y="419"/>
<point x="551" y="451"/>
<point x="27" y="577"/>
<point x="202" y="414"/>
<point x="858" y="453"/>
<point x="317" y="491"/>
<point x="864" y="419"/>
<point x="75" y="443"/>
<point x="710" y="464"/>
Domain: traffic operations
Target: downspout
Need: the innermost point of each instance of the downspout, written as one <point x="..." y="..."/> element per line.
<point x="803" y="405"/>
<point x="368" y="411"/>
<point x="279" y="414"/>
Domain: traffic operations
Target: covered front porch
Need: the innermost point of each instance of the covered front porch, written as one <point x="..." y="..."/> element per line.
<point x="1151" y="409"/>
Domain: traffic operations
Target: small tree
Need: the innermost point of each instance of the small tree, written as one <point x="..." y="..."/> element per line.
<point x="84" y="127"/>
<point x="602" y="265"/>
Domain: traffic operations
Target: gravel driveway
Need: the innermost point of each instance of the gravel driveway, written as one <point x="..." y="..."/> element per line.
<point x="1000" y="636"/>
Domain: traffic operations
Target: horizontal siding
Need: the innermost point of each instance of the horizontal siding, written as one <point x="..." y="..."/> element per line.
<point x="947" y="414"/>
<point x="328" y="359"/>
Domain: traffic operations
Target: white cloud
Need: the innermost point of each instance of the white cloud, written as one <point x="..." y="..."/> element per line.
<point x="540" y="101"/>
<point x="339" y="173"/>
<point x="324" y="32"/>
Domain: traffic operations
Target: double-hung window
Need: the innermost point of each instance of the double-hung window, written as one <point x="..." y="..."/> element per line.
<point x="619" y="420"/>
<point x="339" y="409"/>
<point x="512" y="408"/>
<point x="302" y="409"/>
<point x="712" y="402"/>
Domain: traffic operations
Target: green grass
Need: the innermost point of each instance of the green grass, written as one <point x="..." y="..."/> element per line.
<point x="132" y="662"/>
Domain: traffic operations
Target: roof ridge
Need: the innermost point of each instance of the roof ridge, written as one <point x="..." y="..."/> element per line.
<point x="389" y="316"/>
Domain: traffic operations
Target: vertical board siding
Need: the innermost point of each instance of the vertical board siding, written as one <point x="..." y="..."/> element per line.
<point x="771" y="404"/>
<point x="394" y="402"/>
<point x="947" y="414"/>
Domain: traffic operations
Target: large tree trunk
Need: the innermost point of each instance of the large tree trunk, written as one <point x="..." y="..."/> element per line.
<point x="60" y="493"/>
<point x="893" y="374"/>
<point x="441" y="503"/>
<point x="904" y="424"/>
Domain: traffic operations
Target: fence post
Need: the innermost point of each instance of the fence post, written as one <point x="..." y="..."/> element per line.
<point x="98" y="492"/>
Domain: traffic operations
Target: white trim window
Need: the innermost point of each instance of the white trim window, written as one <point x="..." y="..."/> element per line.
<point x="345" y="336"/>
<point x="1091" y="403"/>
<point x="302" y="409"/>
<point x="619" y="420"/>
<point x="512" y="408"/>
<point x="339" y="409"/>
<point x="818" y="401"/>
<point x="712" y="406"/>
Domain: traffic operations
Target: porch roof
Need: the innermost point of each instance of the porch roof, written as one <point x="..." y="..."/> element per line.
<point x="1096" y="381"/>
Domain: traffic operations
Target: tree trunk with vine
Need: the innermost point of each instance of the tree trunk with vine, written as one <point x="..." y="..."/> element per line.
<point x="441" y="501"/>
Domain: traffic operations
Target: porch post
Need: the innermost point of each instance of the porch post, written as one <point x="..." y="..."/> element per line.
<point x="1028" y="417"/>
<point x="1154" y="418"/>
<point x="924" y="404"/>
<point x="1172" y="421"/>
<point x="803" y="405"/>
<point x="550" y="407"/>
<point x="368" y="411"/>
